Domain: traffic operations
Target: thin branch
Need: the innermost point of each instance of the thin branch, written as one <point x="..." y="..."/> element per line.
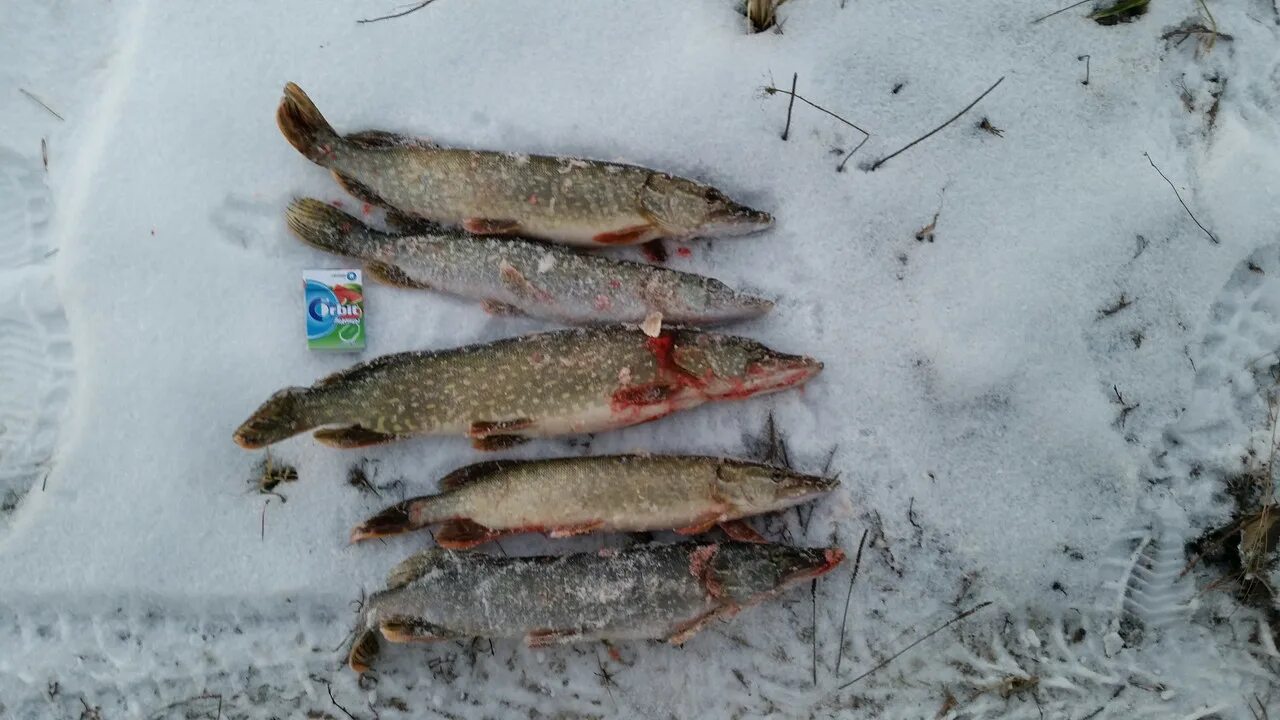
<point x="1062" y="10"/>
<point x="904" y="650"/>
<point x="413" y="9"/>
<point x="866" y="135"/>
<point x="41" y="103"/>
<point x="1212" y="239"/>
<point x="813" y="596"/>
<point x="790" y="104"/>
<point x="857" y="563"/>
<point x="929" y="134"/>
<point x="329" y="686"/>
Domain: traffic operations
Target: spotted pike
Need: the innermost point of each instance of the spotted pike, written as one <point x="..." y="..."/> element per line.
<point x="559" y="199"/>
<point x="577" y="495"/>
<point x="554" y="383"/>
<point x="512" y="276"/>
<point x="665" y="592"/>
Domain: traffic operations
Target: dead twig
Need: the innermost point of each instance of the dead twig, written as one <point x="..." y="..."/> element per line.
<point x="329" y="686"/>
<point x="906" y="649"/>
<point x="786" y="130"/>
<point x="926" y="136"/>
<point x="413" y="9"/>
<point x="770" y="90"/>
<point x="1124" y="302"/>
<point x="262" y="534"/>
<point x="857" y="563"/>
<point x="42" y="104"/>
<point x="813" y="597"/>
<point x="1059" y="11"/>
<point x="1085" y="58"/>
<point x="1212" y="239"/>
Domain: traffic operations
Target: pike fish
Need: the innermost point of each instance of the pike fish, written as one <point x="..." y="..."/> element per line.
<point x="512" y="276"/>
<point x="559" y="199"/>
<point x="578" y="495"/>
<point x="642" y="592"/>
<point x="562" y="382"/>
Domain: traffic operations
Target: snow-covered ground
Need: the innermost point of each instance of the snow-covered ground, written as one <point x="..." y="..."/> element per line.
<point x="1038" y="407"/>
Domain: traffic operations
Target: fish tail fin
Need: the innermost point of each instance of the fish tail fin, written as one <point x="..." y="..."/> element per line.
<point x="400" y="518"/>
<point x="282" y="416"/>
<point x="305" y="128"/>
<point x="363" y="650"/>
<point x="323" y="226"/>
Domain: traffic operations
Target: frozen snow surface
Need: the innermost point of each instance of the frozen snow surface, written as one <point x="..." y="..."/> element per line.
<point x="1038" y="406"/>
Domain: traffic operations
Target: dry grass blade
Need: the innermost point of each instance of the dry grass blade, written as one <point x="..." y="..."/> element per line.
<point x="857" y="563"/>
<point x="402" y="13"/>
<point x="931" y="133"/>
<point x="1059" y="11"/>
<point x="1212" y="239"/>
<point x="41" y="103"/>
<point x="908" y="648"/>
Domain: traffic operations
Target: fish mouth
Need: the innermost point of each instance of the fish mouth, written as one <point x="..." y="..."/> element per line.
<point x="782" y="371"/>
<point x="831" y="557"/>
<point x="802" y="488"/>
<point x="736" y="220"/>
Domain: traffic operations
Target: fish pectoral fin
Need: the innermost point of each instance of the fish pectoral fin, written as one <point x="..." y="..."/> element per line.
<point x="496" y="307"/>
<point x="641" y="395"/>
<point x="742" y="532"/>
<point x="407" y="630"/>
<point x="564" y="531"/>
<point x="373" y="139"/>
<point x="626" y="236"/>
<point x="394" y="520"/>
<point x="489" y="443"/>
<point x="389" y="274"/>
<point x="363" y="650"/>
<point x="516" y="282"/>
<point x="702" y="524"/>
<point x="545" y="638"/>
<point x="490" y="226"/>
<point x="468" y="474"/>
<point x="349" y="437"/>
<point x="655" y="251"/>
<point x="358" y="190"/>
<point x="486" y="428"/>
<point x="463" y="534"/>
<point x="686" y="630"/>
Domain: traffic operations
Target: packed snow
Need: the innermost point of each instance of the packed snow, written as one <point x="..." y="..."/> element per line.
<point x="1041" y="371"/>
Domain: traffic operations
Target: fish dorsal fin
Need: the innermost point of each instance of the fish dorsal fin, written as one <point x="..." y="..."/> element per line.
<point x="370" y="139"/>
<point x="363" y="370"/>
<point x="415" y="566"/>
<point x="464" y="476"/>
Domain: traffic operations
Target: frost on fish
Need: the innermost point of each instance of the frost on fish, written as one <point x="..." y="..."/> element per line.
<point x="576" y="495"/>
<point x="564" y="200"/>
<point x="643" y="592"/>
<point x="504" y="392"/>
<point x="529" y="278"/>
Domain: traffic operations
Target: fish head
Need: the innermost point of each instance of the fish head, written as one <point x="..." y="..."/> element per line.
<point x="749" y="573"/>
<point x="684" y="208"/>
<point x="728" y="366"/>
<point x="278" y="418"/>
<point x="763" y="488"/>
<point x="714" y="301"/>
